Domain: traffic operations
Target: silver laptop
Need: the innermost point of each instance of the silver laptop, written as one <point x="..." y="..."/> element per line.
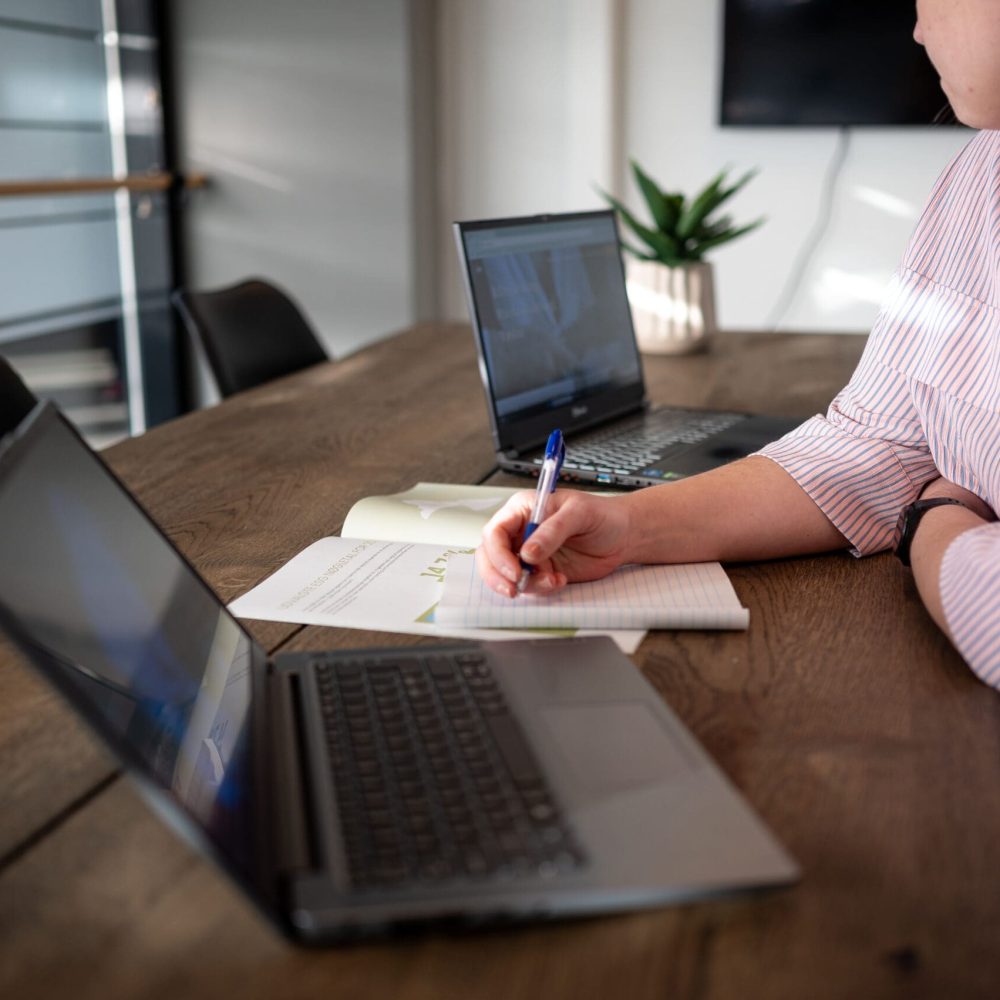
<point x="358" y="791"/>
<point x="556" y="348"/>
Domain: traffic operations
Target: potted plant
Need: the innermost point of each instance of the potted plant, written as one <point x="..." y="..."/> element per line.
<point x="670" y="284"/>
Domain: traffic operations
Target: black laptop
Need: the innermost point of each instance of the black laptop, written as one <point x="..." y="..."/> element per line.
<point x="557" y="349"/>
<point x="361" y="790"/>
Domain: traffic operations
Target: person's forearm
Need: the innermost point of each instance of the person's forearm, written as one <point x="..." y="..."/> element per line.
<point x="938" y="529"/>
<point x="748" y="510"/>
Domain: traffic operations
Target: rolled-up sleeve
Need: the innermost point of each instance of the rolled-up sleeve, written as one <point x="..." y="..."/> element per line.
<point x="970" y="596"/>
<point x="867" y="458"/>
<point x="924" y="401"/>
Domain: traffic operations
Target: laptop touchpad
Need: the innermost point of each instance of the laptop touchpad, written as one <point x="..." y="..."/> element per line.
<point x="615" y="747"/>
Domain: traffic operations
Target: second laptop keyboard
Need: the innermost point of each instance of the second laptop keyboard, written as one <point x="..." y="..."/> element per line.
<point x="638" y="445"/>
<point x="435" y="780"/>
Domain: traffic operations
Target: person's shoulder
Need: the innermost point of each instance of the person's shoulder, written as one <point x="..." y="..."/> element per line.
<point x="981" y="154"/>
<point x="965" y="182"/>
<point x="985" y="144"/>
<point x="988" y="137"/>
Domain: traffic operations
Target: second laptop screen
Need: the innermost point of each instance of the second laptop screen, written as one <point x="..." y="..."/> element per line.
<point x="552" y="312"/>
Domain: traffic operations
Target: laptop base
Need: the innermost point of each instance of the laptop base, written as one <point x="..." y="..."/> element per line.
<point x="658" y="446"/>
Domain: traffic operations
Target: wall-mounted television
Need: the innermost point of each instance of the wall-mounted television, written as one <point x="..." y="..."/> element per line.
<point x="826" y="62"/>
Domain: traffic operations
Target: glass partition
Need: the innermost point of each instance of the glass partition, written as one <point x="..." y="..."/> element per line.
<point x="84" y="311"/>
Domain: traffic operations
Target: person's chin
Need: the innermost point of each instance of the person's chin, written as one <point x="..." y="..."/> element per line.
<point x="966" y="114"/>
<point x="957" y="107"/>
<point x="976" y="117"/>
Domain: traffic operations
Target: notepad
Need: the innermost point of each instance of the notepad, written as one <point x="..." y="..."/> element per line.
<point x="686" y="596"/>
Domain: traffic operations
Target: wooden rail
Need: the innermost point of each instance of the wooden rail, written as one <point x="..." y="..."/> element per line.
<point x="91" y="185"/>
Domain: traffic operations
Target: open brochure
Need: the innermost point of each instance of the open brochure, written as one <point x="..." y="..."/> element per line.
<point x="386" y="572"/>
<point x="438" y="513"/>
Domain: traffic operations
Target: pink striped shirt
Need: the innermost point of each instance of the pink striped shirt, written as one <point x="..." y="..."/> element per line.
<point x="925" y="401"/>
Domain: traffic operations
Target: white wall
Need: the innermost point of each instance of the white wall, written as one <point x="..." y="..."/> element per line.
<point x="300" y="114"/>
<point x="527" y="113"/>
<point x="335" y="176"/>
<point x="516" y="73"/>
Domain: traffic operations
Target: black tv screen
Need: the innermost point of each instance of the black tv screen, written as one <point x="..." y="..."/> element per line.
<point x="826" y="62"/>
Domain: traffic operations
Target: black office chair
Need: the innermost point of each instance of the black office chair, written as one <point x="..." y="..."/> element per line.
<point x="252" y="332"/>
<point x="16" y="399"/>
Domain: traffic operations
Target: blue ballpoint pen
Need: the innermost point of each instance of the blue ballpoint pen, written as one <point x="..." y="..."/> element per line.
<point x="555" y="452"/>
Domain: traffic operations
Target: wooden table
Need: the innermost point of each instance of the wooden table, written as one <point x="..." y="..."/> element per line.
<point x="843" y="715"/>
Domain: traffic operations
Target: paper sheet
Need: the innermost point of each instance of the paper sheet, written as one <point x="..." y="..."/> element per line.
<point x="692" y="595"/>
<point x="379" y="585"/>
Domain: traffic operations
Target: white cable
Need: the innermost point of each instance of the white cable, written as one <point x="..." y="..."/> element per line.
<point x="815" y="237"/>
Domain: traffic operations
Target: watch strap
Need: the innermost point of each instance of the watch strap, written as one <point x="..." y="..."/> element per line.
<point x="910" y="518"/>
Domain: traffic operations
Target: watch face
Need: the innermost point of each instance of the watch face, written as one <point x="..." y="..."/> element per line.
<point x="909" y="518"/>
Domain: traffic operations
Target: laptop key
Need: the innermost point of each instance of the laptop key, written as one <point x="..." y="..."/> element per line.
<point x="433" y="776"/>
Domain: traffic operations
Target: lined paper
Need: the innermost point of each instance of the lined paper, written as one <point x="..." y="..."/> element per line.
<point x="685" y="596"/>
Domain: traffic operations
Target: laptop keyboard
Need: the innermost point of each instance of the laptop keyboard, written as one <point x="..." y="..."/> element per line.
<point x="434" y="778"/>
<point x="635" y="447"/>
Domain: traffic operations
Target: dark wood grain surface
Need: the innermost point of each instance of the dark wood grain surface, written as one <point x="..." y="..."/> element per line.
<point x="842" y="714"/>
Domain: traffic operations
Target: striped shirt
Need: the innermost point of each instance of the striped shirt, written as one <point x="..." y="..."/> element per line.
<point x="925" y="401"/>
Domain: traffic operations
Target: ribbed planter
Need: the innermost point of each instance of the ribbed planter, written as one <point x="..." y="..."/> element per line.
<point x="673" y="308"/>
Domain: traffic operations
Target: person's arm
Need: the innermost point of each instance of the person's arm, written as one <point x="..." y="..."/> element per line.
<point x="955" y="558"/>
<point x="835" y="480"/>
<point x="750" y="509"/>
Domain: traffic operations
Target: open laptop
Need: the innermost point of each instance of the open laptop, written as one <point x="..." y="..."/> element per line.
<point x="356" y="791"/>
<point x="557" y="349"/>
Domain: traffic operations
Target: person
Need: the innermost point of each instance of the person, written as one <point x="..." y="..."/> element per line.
<point x="920" y="418"/>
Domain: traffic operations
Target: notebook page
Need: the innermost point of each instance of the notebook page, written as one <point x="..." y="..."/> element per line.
<point x="691" y="595"/>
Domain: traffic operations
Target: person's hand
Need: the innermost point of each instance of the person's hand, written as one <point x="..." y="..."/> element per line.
<point x="942" y="487"/>
<point x="583" y="537"/>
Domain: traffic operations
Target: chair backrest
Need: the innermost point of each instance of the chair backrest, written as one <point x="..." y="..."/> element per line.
<point x="16" y="399"/>
<point x="252" y="332"/>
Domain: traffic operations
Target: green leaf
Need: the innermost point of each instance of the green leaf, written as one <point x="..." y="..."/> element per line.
<point x="640" y="254"/>
<point x="707" y="201"/>
<point x="664" y="208"/>
<point x="684" y="228"/>
<point x="725" y="237"/>
<point x="748" y="176"/>
<point x="726" y="193"/>
<point x="709" y="229"/>
<point x="730" y="191"/>
<point x="701" y="205"/>
<point x="665" y="246"/>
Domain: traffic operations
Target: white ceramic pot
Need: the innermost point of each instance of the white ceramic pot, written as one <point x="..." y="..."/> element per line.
<point x="673" y="308"/>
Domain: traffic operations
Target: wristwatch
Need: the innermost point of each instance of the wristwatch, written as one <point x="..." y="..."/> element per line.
<point x="910" y="516"/>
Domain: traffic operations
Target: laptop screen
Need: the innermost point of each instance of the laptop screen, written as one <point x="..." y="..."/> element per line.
<point x="549" y="304"/>
<point x="113" y="615"/>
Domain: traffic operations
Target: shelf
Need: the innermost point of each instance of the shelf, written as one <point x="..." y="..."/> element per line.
<point x="48" y="371"/>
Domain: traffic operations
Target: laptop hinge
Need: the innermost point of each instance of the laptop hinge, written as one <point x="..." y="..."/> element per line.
<point x="295" y="842"/>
